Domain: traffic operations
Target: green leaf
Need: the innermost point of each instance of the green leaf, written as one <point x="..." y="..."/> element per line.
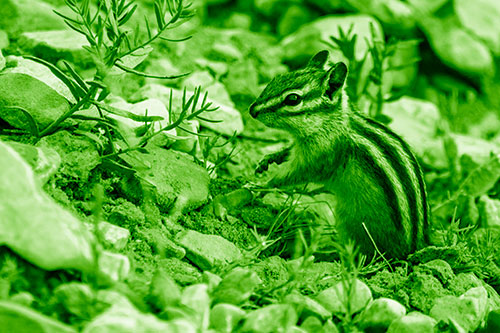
<point x="124" y="19"/>
<point x="482" y="178"/>
<point x="77" y="92"/>
<point x="33" y="126"/>
<point x="127" y="114"/>
<point x="160" y="20"/>
<point x="76" y="77"/>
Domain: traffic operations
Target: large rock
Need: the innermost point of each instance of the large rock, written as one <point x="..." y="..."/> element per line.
<point x="413" y="322"/>
<point x="335" y="298"/>
<point x="124" y="317"/>
<point x="43" y="103"/>
<point x="236" y="287"/>
<point x="34" y="226"/>
<point x="173" y="175"/>
<point x="208" y="251"/>
<point x="40" y="72"/>
<point x="489" y="211"/>
<point x="416" y="121"/>
<point x="57" y="44"/>
<point x="456" y="47"/>
<point x="43" y="160"/>
<point x="79" y="154"/>
<point x="467" y="311"/>
<point x="17" y="16"/>
<point x="481" y="17"/>
<point x="271" y="318"/>
<point x="381" y="313"/>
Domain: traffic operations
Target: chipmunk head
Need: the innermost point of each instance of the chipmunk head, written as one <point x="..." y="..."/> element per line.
<point x="297" y="101"/>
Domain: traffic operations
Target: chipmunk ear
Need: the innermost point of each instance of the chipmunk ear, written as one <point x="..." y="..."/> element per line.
<point x="335" y="78"/>
<point x="318" y="60"/>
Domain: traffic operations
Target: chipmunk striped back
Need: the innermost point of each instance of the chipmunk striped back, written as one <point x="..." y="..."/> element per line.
<point x="377" y="179"/>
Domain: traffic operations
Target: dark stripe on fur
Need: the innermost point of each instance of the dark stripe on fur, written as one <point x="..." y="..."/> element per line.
<point x="418" y="173"/>
<point x="376" y="172"/>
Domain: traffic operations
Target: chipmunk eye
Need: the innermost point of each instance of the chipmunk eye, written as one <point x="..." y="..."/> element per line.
<point x="292" y="99"/>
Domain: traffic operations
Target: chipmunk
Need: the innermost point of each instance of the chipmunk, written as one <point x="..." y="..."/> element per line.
<point x="373" y="173"/>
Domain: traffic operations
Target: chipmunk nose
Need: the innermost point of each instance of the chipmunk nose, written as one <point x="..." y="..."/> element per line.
<point x="252" y="111"/>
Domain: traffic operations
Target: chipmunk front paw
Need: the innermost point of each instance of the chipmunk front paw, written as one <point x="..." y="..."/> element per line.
<point x="278" y="158"/>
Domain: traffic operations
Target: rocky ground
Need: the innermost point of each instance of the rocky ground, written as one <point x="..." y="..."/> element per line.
<point x="127" y="201"/>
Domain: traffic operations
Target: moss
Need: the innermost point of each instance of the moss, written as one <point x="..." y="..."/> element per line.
<point x="205" y="222"/>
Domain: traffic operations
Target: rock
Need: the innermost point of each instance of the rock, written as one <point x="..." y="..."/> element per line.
<point x="224" y="317"/>
<point x="43" y="103"/>
<point x="278" y="267"/>
<point x="236" y="287"/>
<point x="78" y="299"/>
<point x="414" y="322"/>
<point x="242" y="80"/>
<point x="29" y="212"/>
<point x="437" y="268"/>
<point x="224" y="52"/>
<point x="270" y="318"/>
<point x="423" y="289"/>
<point x="379" y="315"/>
<point x="113" y="267"/>
<point x="211" y="279"/>
<point x="329" y="6"/>
<point x="230" y="118"/>
<point x="182" y="272"/>
<point x="159" y="240"/>
<point x="41" y="72"/>
<point x="57" y="44"/>
<point x="173" y="175"/>
<point x="196" y="298"/>
<point x="238" y="20"/>
<point x="79" y="155"/>
<point x="468" y="310"/>
<point x="293" y="17"/>
<point x="18" y="318"/>
<point x="4" y="42"/>
<point x="308" y="40"/>
<point x="416" y="121"/>
<point x="335" y="298"/>
<point x="150" y="107"/>
<point x="44" y="161"/>
<point x="329" y="327"/>
<point x="428" y="7"/>
<point x="480" y="151"/>
<point x="28" y="15"/>
<point x="489" y="211"/>
<point x="475" y="17"/>
<point x="113" y="236"/>
<point x="208" y="251"/>
<point x="124" y="317"/>
<point x="231" y="202"/>
<point x="216" y="90"/>
<point x="3" y="62"/>
<point x="164" y="291"/>
<point x="456" y="47"/>
<point x="312" y="324"/>
<point x="306" y="306"/>
<point x="268" y="8"/>
<point x="396" y="16"/>
<point x="23" y="298"/>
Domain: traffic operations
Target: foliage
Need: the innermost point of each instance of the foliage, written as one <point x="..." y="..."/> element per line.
<point x="376" y="58"/>
<point x="116" y="48"/>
